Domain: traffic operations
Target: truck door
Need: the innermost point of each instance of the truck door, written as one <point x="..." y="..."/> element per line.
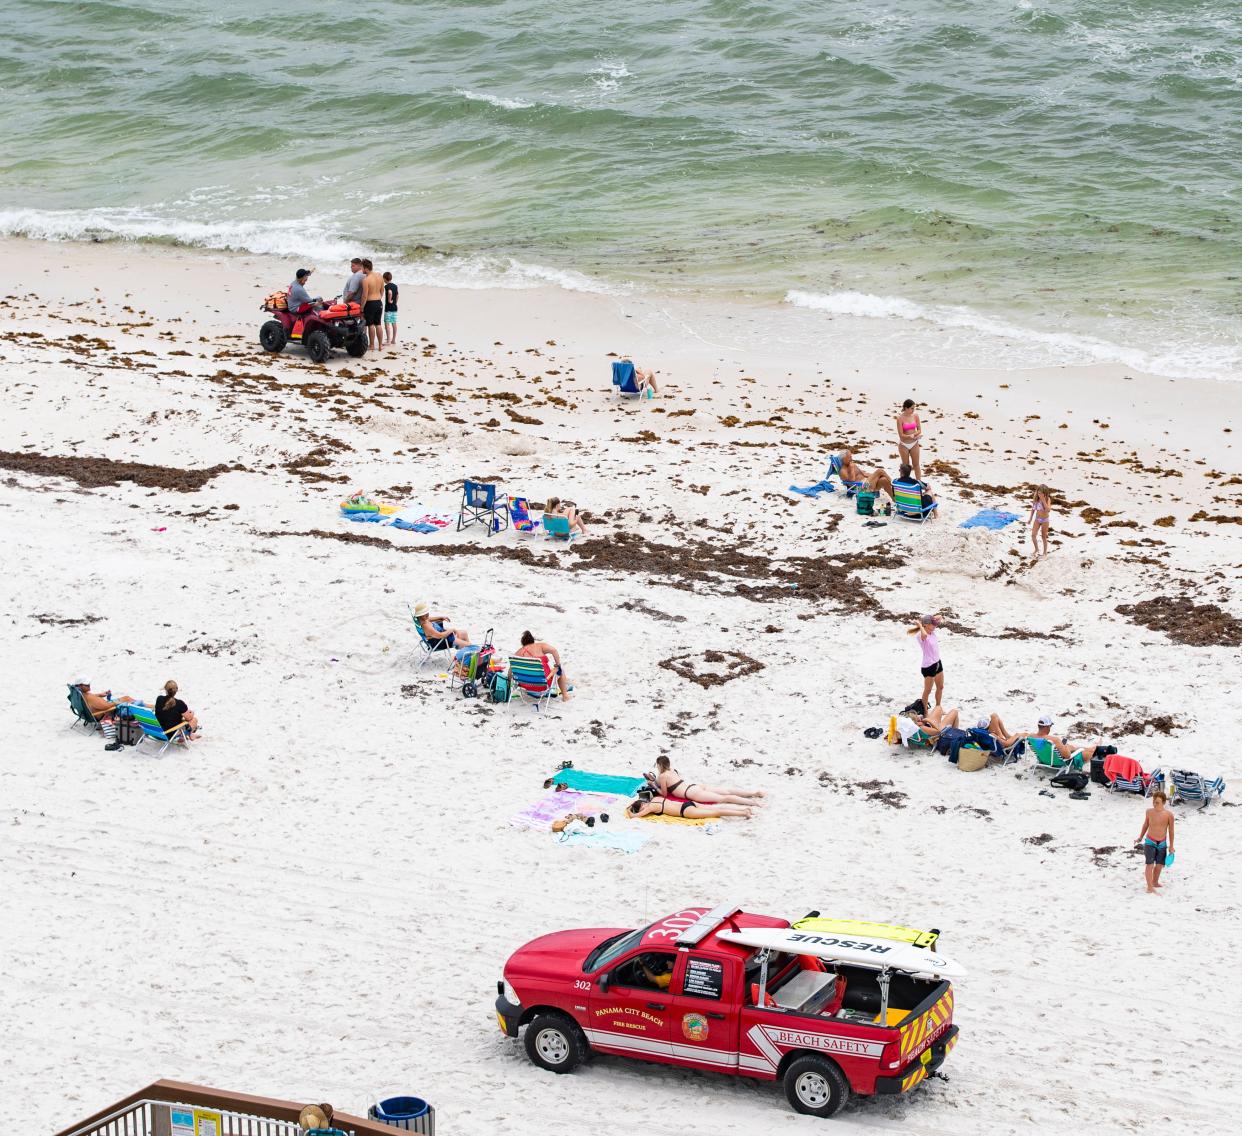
<point x="632" y="1016"/>
<point x="704" y="1013"/>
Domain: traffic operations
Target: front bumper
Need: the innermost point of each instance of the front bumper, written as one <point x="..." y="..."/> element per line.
<point x="921" y="1067"/>
<point x="508" y="1014"/>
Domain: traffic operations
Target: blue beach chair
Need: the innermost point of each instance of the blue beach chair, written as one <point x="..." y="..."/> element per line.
<point x="834" y="470"/>
<point x="81" y="714"/>
<point x="908" y="501"/>
<point x="483" y="503"/>
<point x="625" y="378"/>
<point x="427" y="650"/>
<point x="557" y="528"/>
<point x="1188" y="786"/>
<point x="988" y="741"/>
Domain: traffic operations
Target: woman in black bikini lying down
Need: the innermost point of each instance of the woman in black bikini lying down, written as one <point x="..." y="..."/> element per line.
<point x="662" y="806"/>
<point x="669" y="783"/>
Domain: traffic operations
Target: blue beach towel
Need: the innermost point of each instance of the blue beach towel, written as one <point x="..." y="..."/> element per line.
<point x="815" y="490"/>
<point x="989" y="519"/>
<point x="599" y="837"/>
<point x="586" y="782"/>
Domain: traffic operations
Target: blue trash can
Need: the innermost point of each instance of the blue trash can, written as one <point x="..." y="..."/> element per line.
<point x="413" y="1114"/>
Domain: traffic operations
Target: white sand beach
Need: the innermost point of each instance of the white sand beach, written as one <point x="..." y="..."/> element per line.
<point x="315" y="900"/>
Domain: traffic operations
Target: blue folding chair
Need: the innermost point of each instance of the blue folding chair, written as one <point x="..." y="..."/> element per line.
<point x="1188" y="786"/>
<point x="984" y="739"/>
<point x="557" y="528"/>
<point x="441" y="647"/>
<point x="82" y="715"/>
<point x="485" y="504"/>
<point x="625" y="378"/>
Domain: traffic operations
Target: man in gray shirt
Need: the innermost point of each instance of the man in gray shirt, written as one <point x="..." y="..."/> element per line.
<point x="299" y="297"/>
<point x="353" y="286"/>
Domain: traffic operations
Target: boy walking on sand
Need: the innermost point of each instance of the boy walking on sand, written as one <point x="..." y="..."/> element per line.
<point x="1157" y="840"/>
<point x="390" y="311"/>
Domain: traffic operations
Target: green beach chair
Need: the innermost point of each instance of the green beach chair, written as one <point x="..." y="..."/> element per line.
<point x="1046" y="756"/>
<point x="151" y="728"/>
<point x="557" y="528"/>
<point x="81" y="714"/>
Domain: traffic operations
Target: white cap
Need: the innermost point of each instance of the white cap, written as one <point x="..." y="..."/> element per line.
<point x="982" y="724"/>
<point x="81" y="682"/>
<point x="1044" y="720"/>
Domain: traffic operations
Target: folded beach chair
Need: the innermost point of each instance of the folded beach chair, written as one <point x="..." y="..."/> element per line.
<point x="1188" y="786"/>
<point x="624" y="378"/>
<point x="151" y="728"/>
<point x="81" y="715"/>
<point x="425" y="650"/>
<point x="908" y="500"/>
<point x="483" y="503"/>
<point x="531" y="679"/>
<point x="520" y="518"/>
<point x="1125" y="775"/>
<point x="557" y="528"/>
<point x="1047" y="757"/>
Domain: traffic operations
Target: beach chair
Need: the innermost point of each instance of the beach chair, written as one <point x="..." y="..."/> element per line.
<point x="426" y="650"/>
<point x="625" y="378"/>
<point x="151" y="728"/>
<point x="81" y="714"/>
<point x="484" y="504"/>
<point x="1188" y="786"/>
<point x="557" y="528"/>
<point x="834" y="470"/>
<point x="988" y="741"/>
<point x="520" y="518"/>
<point x="908" y="501"/>
<point x="1047" y="758"/>
<point x="1124" y="775"/>
<point x="530" y="678"/>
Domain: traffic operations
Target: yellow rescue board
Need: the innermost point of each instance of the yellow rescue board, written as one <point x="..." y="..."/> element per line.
<point x="875" y="930"/>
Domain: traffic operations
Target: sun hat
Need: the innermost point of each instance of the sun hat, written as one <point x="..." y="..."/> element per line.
<point x="315" y="1116"/>
<point x="422" y="608"/>
<point x="1044" y="720"/>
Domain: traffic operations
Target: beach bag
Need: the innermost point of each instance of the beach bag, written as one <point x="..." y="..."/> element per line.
<point x="950" y="742"/>
<point x="972" y="760"/>
<point x="1074" y="779"/>
<point x="864" y="503"/>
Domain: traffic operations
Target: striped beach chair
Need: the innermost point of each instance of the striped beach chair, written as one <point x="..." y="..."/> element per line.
<point x="1188" y="786"/>
<point x="908" y="501"/>
<point x="151" y="728"/>
<point x="1125" y="775"/>
<point x="531" y="679"/>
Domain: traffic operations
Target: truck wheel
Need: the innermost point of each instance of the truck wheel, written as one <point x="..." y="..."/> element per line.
<point x="815" y="1086"/>
<point x="555" y="1043"/>
<point x="357" y="347"/>
<point x="318" y="345"/>
<point x="272" y="336"/>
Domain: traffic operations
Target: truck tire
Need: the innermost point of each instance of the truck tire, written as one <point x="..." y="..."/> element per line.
<point x="815" y="1086"/>
<point x="554" y="1042"/>
<point x="318" y="345"/>
<point x="272" y="336"/>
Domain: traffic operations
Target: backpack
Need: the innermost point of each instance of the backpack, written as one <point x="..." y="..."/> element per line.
<point x="864" y="503"/>
<point x="1074" y="779"/>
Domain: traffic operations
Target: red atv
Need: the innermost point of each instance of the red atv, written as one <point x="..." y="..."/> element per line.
<point x="319" y="330"/>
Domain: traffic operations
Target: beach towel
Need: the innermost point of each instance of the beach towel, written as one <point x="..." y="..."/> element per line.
<point x="815" y="490"/>
<point x="587" y="782"/>
<point x="989" y="519"/>
<point x="601" y="836"/>
<point x="1116" y="765"/>
<point x="553" y="805"/>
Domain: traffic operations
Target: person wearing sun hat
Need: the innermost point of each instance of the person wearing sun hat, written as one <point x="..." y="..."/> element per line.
<point x="438" y="629"/>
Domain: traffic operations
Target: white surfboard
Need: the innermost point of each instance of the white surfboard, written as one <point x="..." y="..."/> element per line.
<point x="857" y="950"/>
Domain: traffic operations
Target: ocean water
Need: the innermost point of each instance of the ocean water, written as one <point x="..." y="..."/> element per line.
<point x="980" y="180"/>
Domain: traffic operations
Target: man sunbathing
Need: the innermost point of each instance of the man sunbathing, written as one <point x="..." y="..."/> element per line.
<point x="662" y="806"/>
<point x="104" y="711"/>
<point x="438" y="630"/>
<point x="850" y="471"/>
<point x="669" y="783"/>
<point x="1060" y="745"/>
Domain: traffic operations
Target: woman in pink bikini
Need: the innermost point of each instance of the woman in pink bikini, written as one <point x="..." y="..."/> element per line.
<point x="909" y="435"/>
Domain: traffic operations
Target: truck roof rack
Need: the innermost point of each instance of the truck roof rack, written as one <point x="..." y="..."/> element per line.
<point x="692" y="936"/>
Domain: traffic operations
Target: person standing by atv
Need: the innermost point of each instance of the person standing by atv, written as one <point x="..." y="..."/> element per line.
<point x="352" y="293"/>
<point x="300" y="299"/>
<point x="390" y="311"/>
<point x="373" y="305"/>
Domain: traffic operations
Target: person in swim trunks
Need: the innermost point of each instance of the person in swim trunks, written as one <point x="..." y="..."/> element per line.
<point x="662" y="806"/>
<point x="373" y="304"/>
<point x="669" y="783"/>
<point x="1063" y="748"/>
<point x="1156" y="839"/>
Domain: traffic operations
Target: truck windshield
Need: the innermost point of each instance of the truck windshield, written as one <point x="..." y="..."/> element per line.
<point x="613" y="948"/>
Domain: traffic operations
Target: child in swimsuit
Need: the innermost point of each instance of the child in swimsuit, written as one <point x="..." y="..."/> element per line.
<point x="1157" y="840"/>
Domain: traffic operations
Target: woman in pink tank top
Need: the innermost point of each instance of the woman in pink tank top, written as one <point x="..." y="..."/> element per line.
<point x="933" y="668"/>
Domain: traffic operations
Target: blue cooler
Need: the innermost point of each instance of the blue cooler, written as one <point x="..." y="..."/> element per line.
<point x="410" y="1113"/>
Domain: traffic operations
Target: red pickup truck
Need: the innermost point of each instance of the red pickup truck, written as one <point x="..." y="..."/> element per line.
<point x="826" y="1007"/>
